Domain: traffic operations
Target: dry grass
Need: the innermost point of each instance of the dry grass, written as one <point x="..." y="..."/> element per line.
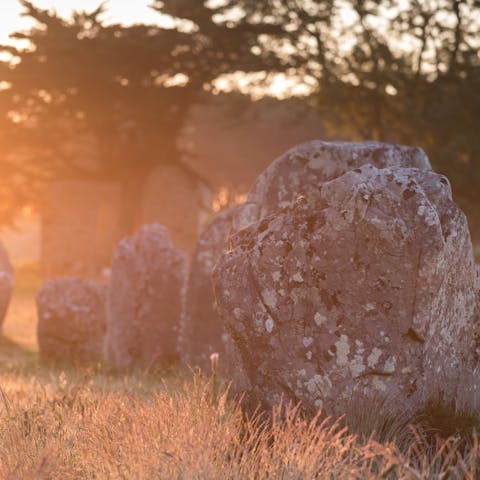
<point x="98" y="425"/>
<point x="57" y="422"/>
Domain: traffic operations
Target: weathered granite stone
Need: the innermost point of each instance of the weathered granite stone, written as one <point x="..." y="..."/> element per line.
<point x="6" y="283"/>
<point x="202" y="332"/>
<point x="477" y="287"/>
<point x="361" y="288"/>
<point x="71" y="319"/>
<point x="478" y="277"/>
<point x="144" y="299"/>
<point x="303" y="168"/>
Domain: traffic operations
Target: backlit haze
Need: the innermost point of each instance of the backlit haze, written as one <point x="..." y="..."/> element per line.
<point x="23" y="243"/>
<point x="126" y="12"/>
<point x="129" y="12"/>
<point x="122" y="11"/>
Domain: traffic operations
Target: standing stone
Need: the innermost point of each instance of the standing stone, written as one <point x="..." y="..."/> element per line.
<point x="477" y="288"/>
<point x="202" y="332"/>
<point x="178" y="198"/>
<point x="81" y="248"/>
<point x="361" y="288"/>
<point x="302" y="169"/>
<point x="144" y="299"/>
<point x="478" y="277"/>
<point x="6" y="283"/>
<point x="71" y="319"/>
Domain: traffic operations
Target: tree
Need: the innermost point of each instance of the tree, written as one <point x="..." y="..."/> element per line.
<point x="82" y="80"/>
<point x="389" y="70"/>
<point x="412" y="75"/>
<point x="125" y="90"/>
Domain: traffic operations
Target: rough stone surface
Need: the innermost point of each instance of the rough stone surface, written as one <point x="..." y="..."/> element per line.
<point x="477" y="287"/>
<point x="362" y="288"/>
<point x="478" y="277"/>
<point x="202" y="332"/>
<point x="71" y="319"/>
<point x="6" y="283"/>
<point x="303" y="168"/>
<point x="144" y="299"/>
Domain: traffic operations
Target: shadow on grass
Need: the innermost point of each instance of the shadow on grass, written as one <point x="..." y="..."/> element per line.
<point x="440" y="421"/>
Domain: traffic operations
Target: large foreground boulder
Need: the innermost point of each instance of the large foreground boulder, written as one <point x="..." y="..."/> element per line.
<point x="71" y="319"/>
<point x="302" y="169"/>
<point x="478" y="277"/>
<point x="477" y="286"/>
<point x="144" y="299"/>
<point x="364" y="287"/>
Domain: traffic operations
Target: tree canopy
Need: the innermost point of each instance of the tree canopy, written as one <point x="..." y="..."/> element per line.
<point x="393" y="70"/>
<point x="404" y="71"/>
<point x="109" y="101"/>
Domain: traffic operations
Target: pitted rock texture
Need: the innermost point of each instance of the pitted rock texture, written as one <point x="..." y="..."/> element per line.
<point x="477" y="287"/>
<point x="302" y="169"/>
<point x="478" y="277"/>
<point x="6" y="283"/>
<point x="202" y="332"/>
<point x="144" y="299"/>
<point x="364" y="291"/>
<point x="71" y="319"/>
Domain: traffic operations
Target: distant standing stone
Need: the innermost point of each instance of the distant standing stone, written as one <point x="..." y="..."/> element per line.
<point x="364" y="286"/>
<point x="202" y="332"/>
<point x="144" y="299"/>
<point x="71" y="319"/>
<point x="6" y="283"/>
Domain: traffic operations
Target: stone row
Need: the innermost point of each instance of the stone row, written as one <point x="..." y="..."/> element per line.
<point x="348" y="272"/>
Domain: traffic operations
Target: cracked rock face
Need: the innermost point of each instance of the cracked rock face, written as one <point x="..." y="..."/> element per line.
<point x="477" y="287"/>
<point x="71" y="319"/>
<point x="202" y="332"/>
<point x="303" y="168"/>
<point x="362" y="288"/>
<point x="478" y="278"/>
<point x="144" y="299"/>
<point x="6" y="283"/>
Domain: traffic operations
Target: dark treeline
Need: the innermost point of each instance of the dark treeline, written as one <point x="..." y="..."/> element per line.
<point x="393" y="70"/>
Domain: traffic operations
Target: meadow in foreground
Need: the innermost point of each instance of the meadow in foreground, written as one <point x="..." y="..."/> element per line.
<point x="85" y="424"/>
<point x="60" y="422"/>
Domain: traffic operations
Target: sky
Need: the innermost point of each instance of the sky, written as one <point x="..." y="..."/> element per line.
<point x="122" y="11"/>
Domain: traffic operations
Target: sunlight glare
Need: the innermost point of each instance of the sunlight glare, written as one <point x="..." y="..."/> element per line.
<point x="118" y="11"/>
<point x="257" y="85"/>
<point x="27" y="211"/>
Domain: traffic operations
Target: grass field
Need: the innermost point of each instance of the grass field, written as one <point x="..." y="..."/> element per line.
<point x="61" y="422"/>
